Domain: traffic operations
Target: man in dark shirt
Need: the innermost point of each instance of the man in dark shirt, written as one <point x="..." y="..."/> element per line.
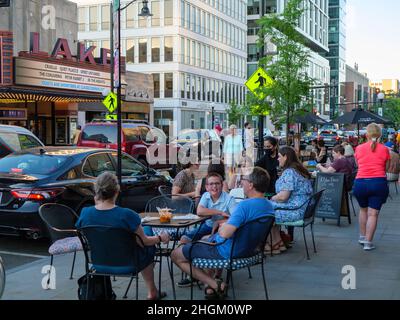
<point x="340" y="164"/>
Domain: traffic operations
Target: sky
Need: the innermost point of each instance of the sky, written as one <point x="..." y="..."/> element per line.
<point x="372" y="37"/>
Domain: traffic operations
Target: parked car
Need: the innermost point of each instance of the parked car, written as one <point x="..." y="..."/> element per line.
<point x="65" y="175"/>
<point x="145" y="143"/>
<point x="14" y="138"/>
<point x="331" y="138"/>
<point x="203" y="142"/>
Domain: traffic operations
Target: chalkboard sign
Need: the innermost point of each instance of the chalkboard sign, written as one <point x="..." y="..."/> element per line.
<point x="330" y="205"/>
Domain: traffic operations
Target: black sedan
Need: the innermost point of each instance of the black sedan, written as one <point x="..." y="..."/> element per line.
<point x="65" y="175"/>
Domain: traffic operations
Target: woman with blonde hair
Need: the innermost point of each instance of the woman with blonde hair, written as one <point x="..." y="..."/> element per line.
<point x="370" y="186"/>
<point x="106" y="213"/>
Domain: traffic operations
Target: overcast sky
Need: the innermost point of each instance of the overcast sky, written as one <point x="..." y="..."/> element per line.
<point x="373" y="37"/>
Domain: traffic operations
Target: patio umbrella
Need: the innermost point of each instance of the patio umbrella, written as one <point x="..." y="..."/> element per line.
<point x="309" y="118"/>
<point x="360" y="116"/>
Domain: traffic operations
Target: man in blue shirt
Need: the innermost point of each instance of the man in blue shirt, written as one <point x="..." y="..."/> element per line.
<point x="254" y="186"/>
<point x="215" y="203"/>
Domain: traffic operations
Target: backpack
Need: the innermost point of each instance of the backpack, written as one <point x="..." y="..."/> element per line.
<point x="99" y="288"/>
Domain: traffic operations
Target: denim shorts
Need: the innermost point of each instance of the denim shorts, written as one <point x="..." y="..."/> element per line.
<point x="201" y="250"/>
<point x="198" y="233"/>
<point x="371" y="192"/>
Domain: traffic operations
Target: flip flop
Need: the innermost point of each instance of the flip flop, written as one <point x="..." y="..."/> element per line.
<point x="159" y="296"/>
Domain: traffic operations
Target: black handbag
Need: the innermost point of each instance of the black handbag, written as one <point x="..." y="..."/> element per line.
<point x="99" y="288"/>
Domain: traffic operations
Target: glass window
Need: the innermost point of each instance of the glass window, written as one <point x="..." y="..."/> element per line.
<point x="93" y="18"/>
<point x="96" y="164"/>
<point x="182" y="14"/>
<point x="182" y="76"/>
<point x="32" y="164"/>
<point x="155" y="49"/>
<point x="156" y="81"/>
<point x="101" y="134"/>
<point x="168" y="49"/>
<point x="82" y="18"/>
<point x="182" y="50"/>
<point x="168" y="85"/>
<point x="131" y="134"/>
<point x="187" y="53"/>
<point x="142" y="50"/>
<point x="27" y="142"/>
<point x="168" y="12"/>
<point x="130" y="51"/>
<point x="105" y="17"/>
<point x="155" y="11"/>
<point x="131" y="15"/>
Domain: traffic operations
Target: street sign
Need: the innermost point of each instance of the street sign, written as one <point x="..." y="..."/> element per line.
<point x="257" y="80"/>
<point x="111" y="116"/>
<point x="111" y="102"/>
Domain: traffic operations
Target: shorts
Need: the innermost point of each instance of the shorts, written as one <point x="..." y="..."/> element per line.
<point x="371" y="192"/>
<point x="197" y="233"/>
<point x="201" y="250"/>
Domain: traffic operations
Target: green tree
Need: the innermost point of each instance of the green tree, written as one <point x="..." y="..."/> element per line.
<point x="391" y="110"/>
<point x="235" y="113"/>
<point x="287" y="67"/>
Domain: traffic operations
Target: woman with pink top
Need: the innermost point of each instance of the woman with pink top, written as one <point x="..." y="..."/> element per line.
<point x="370" y="186"/>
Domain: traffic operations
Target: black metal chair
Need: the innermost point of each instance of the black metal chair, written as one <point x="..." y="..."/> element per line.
<point x="350" y="191"/>
<point x="2" y="278"/>
<point x="308" y="218"/>
<point x="111" y="251"/>
<point x="255" y="238"/>
<point x="60" y="223"/>
<point x="165" y="190"/>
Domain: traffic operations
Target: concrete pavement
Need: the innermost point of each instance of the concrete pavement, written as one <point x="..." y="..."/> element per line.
<point x="289" y="275"/>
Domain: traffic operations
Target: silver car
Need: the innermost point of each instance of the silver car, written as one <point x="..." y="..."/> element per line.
<point x="14" y="138"/>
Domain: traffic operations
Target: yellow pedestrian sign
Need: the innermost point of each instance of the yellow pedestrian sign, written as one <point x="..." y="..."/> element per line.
<point x="111" y="102"/>
<point x="257" y="80"/>
<point x="111" y="116"/>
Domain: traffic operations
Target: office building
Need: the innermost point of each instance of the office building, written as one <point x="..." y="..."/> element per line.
<point x="357" y="92"/>
<point x="195" y="50"/>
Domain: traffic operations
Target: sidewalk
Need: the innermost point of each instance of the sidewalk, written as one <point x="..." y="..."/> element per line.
<point x="289" y="275"/>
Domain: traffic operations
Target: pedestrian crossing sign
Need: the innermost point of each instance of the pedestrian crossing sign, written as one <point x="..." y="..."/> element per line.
<point x="111" y="116"/>
<point x="258" y="80"/>
<point x="111" y="102"/>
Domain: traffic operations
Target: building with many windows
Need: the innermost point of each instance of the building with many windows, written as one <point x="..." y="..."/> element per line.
<point x="357" y="92"/>
<point x="313" y="25"/>
<point x="195" y="50"/>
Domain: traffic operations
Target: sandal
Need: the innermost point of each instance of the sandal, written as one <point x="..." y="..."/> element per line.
<point x="275" y="249"/>
<point x="222" y="293"/>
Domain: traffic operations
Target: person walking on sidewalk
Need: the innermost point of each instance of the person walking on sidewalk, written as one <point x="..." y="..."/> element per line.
<point x="370" y="186"/>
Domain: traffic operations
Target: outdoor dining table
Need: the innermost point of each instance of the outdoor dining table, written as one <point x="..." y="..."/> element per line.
<point x="177" y="223"/>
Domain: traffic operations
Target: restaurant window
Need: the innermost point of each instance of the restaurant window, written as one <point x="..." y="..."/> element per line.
<point x="168" y="85"/>
<point x="142" y="50"/>
<point x="156" y="81"/>
<point x="82" y="18"/>
<point x="131" y="14"/>
<point x="105" y="17"/>
<point x="168" y="49"/>
<point x="130" y="51"/>
<point x="155" y="10"/>
<point x="155" y="50"/>
<point x="168" y="13"/>
<point x="93" y="18"/>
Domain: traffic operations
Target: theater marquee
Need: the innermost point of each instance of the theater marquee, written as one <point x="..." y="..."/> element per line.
<point x="45" y="74"/>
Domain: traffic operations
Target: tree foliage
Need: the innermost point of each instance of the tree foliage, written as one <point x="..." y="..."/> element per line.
<point x="287" y="67"/>
<point x="391" y="110"/>
<point x="235" y="113"/>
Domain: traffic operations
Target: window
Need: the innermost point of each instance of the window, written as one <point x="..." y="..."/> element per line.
<point x="142" y="50"/>
<point x="155" y="11"/>
<point x="93" y="18"/>
<point x="168" y="13"/>
<point x="168" y="49"/>
<point x="156" y="81"/>
<point x="155" y="50"/>
<point x="28" y="142"/>
<point x="129" y="167"/>
<point x="105" y="17"/>
<point x="168" y="85"/>
<point x="131" y="134"/>
<point x="82" y="18"/>
<point x="96" y="164"/>
<point x="101" y="134"/>
<point x="130" y="51"/>
<point x="131" y="14"/>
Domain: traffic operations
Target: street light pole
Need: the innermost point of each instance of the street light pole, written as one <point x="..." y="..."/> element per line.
<point x="212" y="116"/>
<point x="116" y="81"/>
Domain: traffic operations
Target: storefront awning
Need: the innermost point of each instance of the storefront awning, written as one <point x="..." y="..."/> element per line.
<point x="21" y="94"/>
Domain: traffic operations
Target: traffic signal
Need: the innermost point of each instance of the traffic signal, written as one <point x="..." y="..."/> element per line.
<point x="4" y="3"/>
<point x="326" y="94"/>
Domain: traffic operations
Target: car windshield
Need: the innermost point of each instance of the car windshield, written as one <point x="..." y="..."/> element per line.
<point x="329" y="134"/>
<point x="31" y="164"/>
